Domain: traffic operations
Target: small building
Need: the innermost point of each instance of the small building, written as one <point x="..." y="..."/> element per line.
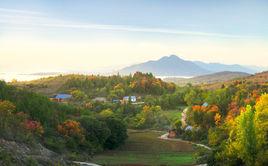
<point x="61" y="97"/>
<point x="100" y="99"/>
<point x="115" y="101"/>
<point x="132" y="99"/>
<point x="205" y="104"/>
<point x="188" y="128"/>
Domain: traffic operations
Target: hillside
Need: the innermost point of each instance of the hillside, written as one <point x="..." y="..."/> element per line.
<point x="47" y="86"/>
<point x="174" y="66"/>
<point x="208" y="79"/>
<point x="91" y="86"/>
<point x="258" y="78"/>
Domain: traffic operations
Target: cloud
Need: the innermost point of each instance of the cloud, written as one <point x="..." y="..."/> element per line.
<point x="32" y="19"/>
<point x="15" y="11"/>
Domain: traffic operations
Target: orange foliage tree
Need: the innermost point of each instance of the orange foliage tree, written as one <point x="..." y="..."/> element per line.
<point x="34" y="127"/>
<point x="204" y="117"/>
<point x="71" y="128"/>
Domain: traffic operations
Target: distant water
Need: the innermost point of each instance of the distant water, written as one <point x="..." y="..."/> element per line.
<point x="8" y="77"/>
<point x="163" y="77"/>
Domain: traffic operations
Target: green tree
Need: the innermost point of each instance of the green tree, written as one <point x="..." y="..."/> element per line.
<point x="193" y="97"/>
<point x="118" y="132"/>
<point x="96" y="132"/>
<point x="222" y="98"/>
<point x="78" y="95"/>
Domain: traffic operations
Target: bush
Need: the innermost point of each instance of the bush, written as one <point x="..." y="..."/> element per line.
<point x="54" y="143"/>
<point x="6" y="158"/>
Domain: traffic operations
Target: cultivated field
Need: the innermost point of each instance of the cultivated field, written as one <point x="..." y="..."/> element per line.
<point x="144" y="148"/>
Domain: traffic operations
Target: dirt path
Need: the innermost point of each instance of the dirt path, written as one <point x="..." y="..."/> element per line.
<point x="165" y="137"/>
<point x="85" y="163"/>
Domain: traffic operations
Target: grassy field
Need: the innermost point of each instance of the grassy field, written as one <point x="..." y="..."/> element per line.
<point x="174" y="115"/>
<point x="144" y="148"/>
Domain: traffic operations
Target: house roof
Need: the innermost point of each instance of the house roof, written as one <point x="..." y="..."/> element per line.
<point x="205" y="104"/>
<point x="62" y="96"/>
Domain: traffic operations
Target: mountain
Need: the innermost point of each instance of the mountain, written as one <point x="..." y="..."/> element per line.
<point x="174" y="66"/>
<point x="208" y="79"/>
<point x="218" y="67"/>
<point x="167" y="66"/>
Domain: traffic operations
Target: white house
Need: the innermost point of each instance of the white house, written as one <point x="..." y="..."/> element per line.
<point x="132" y="99"/>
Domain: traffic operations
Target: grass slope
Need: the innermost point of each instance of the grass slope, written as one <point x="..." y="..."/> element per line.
<point x="173" y="115"/>
<point x="145" y="148"/>
<point x="47" y="86"/>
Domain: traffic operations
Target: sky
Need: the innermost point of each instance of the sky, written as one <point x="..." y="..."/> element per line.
<point x="101" y="35"/>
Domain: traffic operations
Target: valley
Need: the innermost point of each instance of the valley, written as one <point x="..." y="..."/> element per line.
<point x="117" y="120"/>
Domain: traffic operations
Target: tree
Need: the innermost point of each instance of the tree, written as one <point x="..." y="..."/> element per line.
<point x="78" y="95"/>
<point x="118" y="132"/>
<point x="204" y="117"/>
<point x="194" y="97"/>
<point x="106" y="113"/>
<point x="245" y="143"/>
<point x="96" y="132"/>
<point x="261" y="119"/>
<point x="246" y="137"/>
<point x="221" y="98"/>
<point x="150" y="117"/>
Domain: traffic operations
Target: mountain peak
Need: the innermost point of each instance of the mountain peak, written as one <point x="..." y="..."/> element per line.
<point x="170" y="57"/>
<point x="173" y="56"/>
<point x="170" y="65"/>
<point x="173" y="65"/>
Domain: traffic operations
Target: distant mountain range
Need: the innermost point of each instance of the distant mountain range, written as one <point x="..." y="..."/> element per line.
<point x="174" y="66"/>
<point x="209" y="78"/>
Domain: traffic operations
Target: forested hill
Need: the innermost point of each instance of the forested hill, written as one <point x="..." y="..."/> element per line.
<point x="208" y="79"/>
<point x="115" y="86"/>
<point x="258" y="78"/>
<point x="36" y="131"/>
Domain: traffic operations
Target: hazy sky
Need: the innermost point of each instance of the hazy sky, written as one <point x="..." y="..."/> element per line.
<point x="75" y="35"/>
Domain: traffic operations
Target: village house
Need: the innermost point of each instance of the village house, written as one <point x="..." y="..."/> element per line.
<point x="132" y="99"/>
<point x="115" y="101"/>
<point x="61" y="97"/>
<point x="100" y="99"/>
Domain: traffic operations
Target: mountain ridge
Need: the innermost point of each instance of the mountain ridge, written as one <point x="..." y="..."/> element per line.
<point x="209" y="78"/>
<point x="175" y="66"/>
